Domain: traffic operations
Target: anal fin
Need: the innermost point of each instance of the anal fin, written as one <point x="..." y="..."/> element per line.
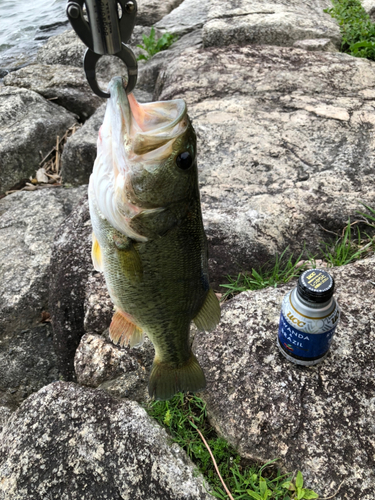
<point x="96" y="254"/>
<point x="208" y="316"/>
<point x="124" y="331"/>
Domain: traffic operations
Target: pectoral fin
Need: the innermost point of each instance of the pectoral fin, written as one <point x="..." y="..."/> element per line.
<point x="96" y="254"/>
<point x="124" y="331"/>
<point x="209" y="315"/>
<point x="130" y="261"/>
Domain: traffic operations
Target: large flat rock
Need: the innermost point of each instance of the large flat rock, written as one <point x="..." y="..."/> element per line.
<point x="285" y="146"/>
<point x="271" y="23"/>
<point x="319" y="420"/>
<point x="28" y="125"/>
<point x="151" y="11"/>
<point x="28" y="222"/>
<point x="187" y="17"/>
<point x="67" y="443"/>
<point x="65" y="85"/>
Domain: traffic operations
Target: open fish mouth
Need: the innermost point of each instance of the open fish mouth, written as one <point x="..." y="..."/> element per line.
<point x="136" y="144"/>
<point x="146" y="127"/>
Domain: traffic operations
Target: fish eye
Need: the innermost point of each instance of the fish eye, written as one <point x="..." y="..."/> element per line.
<point x="184" y="160"/>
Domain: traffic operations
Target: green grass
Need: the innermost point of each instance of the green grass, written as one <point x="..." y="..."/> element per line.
<point x="339" y="252"/>
<point x="182" y="416"/>
<point x="152" y="46"/>
<point x="346" y="249"/>
<point x="282" y="271"/>
<point x="368" y="218"/>
<point x="357" y="30"/>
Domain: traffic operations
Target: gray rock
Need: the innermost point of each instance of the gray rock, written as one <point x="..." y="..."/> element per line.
<point x="98" y="306"/>
<point x="322" y="44"/>
<point x="67" y="442"/>
<point x="97" y="361"/>
<point x="28" y="124"/>
<point x="28" y="221"/>
<point x="66" y="49"/>
<point x="5" y="414"/>
<point x="319" y="420"/>
<point x="70" y="268"/>
<point x="285" y="146"/>
<point x="121" y="372"/>
<point x="189" y="16"/>
<point x="151" y="11"/>
<point x="369" y="6"/>
<point x="65" y="85"/>
<point x="271" y="23"/>
<point x="27" y="363"/>
<point x="79" y="152"/>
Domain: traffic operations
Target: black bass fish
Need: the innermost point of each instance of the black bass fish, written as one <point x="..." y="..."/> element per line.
<point x="148" y="236"/>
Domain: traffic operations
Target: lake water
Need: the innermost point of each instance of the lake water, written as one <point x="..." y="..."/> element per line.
<point x="24" y="26"/>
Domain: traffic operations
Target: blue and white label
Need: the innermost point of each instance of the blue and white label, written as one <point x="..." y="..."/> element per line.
<point x="303" y="344"/>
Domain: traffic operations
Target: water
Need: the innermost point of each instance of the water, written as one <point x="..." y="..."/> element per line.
<point x="24" y="26"/>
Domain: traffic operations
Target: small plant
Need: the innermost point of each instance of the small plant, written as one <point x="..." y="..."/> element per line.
<point x="369" y="219"/>
<point x="254" y="485"/>
<point x="346" y="249"/>
<point x="281" y="272"/>
<point x="152" y="46"/>
<point x="357" y="30"/>
<point x="297" y="490"/>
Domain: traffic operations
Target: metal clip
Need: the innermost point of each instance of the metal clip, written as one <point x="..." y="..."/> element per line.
<point x="126" y="55"/>
<point x="110" y="24"/>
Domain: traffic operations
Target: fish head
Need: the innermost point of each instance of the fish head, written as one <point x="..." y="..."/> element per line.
<point x="146" y="157"/>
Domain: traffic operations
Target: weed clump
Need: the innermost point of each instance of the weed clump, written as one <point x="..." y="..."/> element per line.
<point x="152" y="46"/>
<point x="357" y="30"/>
<point x="339" y="252"/>
<point x="282" y="271"/>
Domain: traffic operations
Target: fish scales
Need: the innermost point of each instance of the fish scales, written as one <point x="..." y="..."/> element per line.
<point x="148" y="236"/>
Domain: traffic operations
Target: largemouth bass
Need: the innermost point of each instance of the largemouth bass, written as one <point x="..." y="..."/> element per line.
<point x="148" y="236"/>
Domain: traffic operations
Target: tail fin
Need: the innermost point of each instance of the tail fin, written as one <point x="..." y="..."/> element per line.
<point x="166" y="379"/>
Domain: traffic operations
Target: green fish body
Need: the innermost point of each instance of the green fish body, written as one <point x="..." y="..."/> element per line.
<point x="148" y="236"/>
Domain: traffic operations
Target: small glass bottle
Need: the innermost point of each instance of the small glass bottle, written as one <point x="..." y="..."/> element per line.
<point x="308" y="319"/>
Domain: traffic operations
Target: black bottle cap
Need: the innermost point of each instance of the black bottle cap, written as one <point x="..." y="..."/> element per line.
<point x="316" y="285"/>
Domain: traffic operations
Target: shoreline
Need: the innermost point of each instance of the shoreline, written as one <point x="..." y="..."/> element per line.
<point x="19" y="58"/>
